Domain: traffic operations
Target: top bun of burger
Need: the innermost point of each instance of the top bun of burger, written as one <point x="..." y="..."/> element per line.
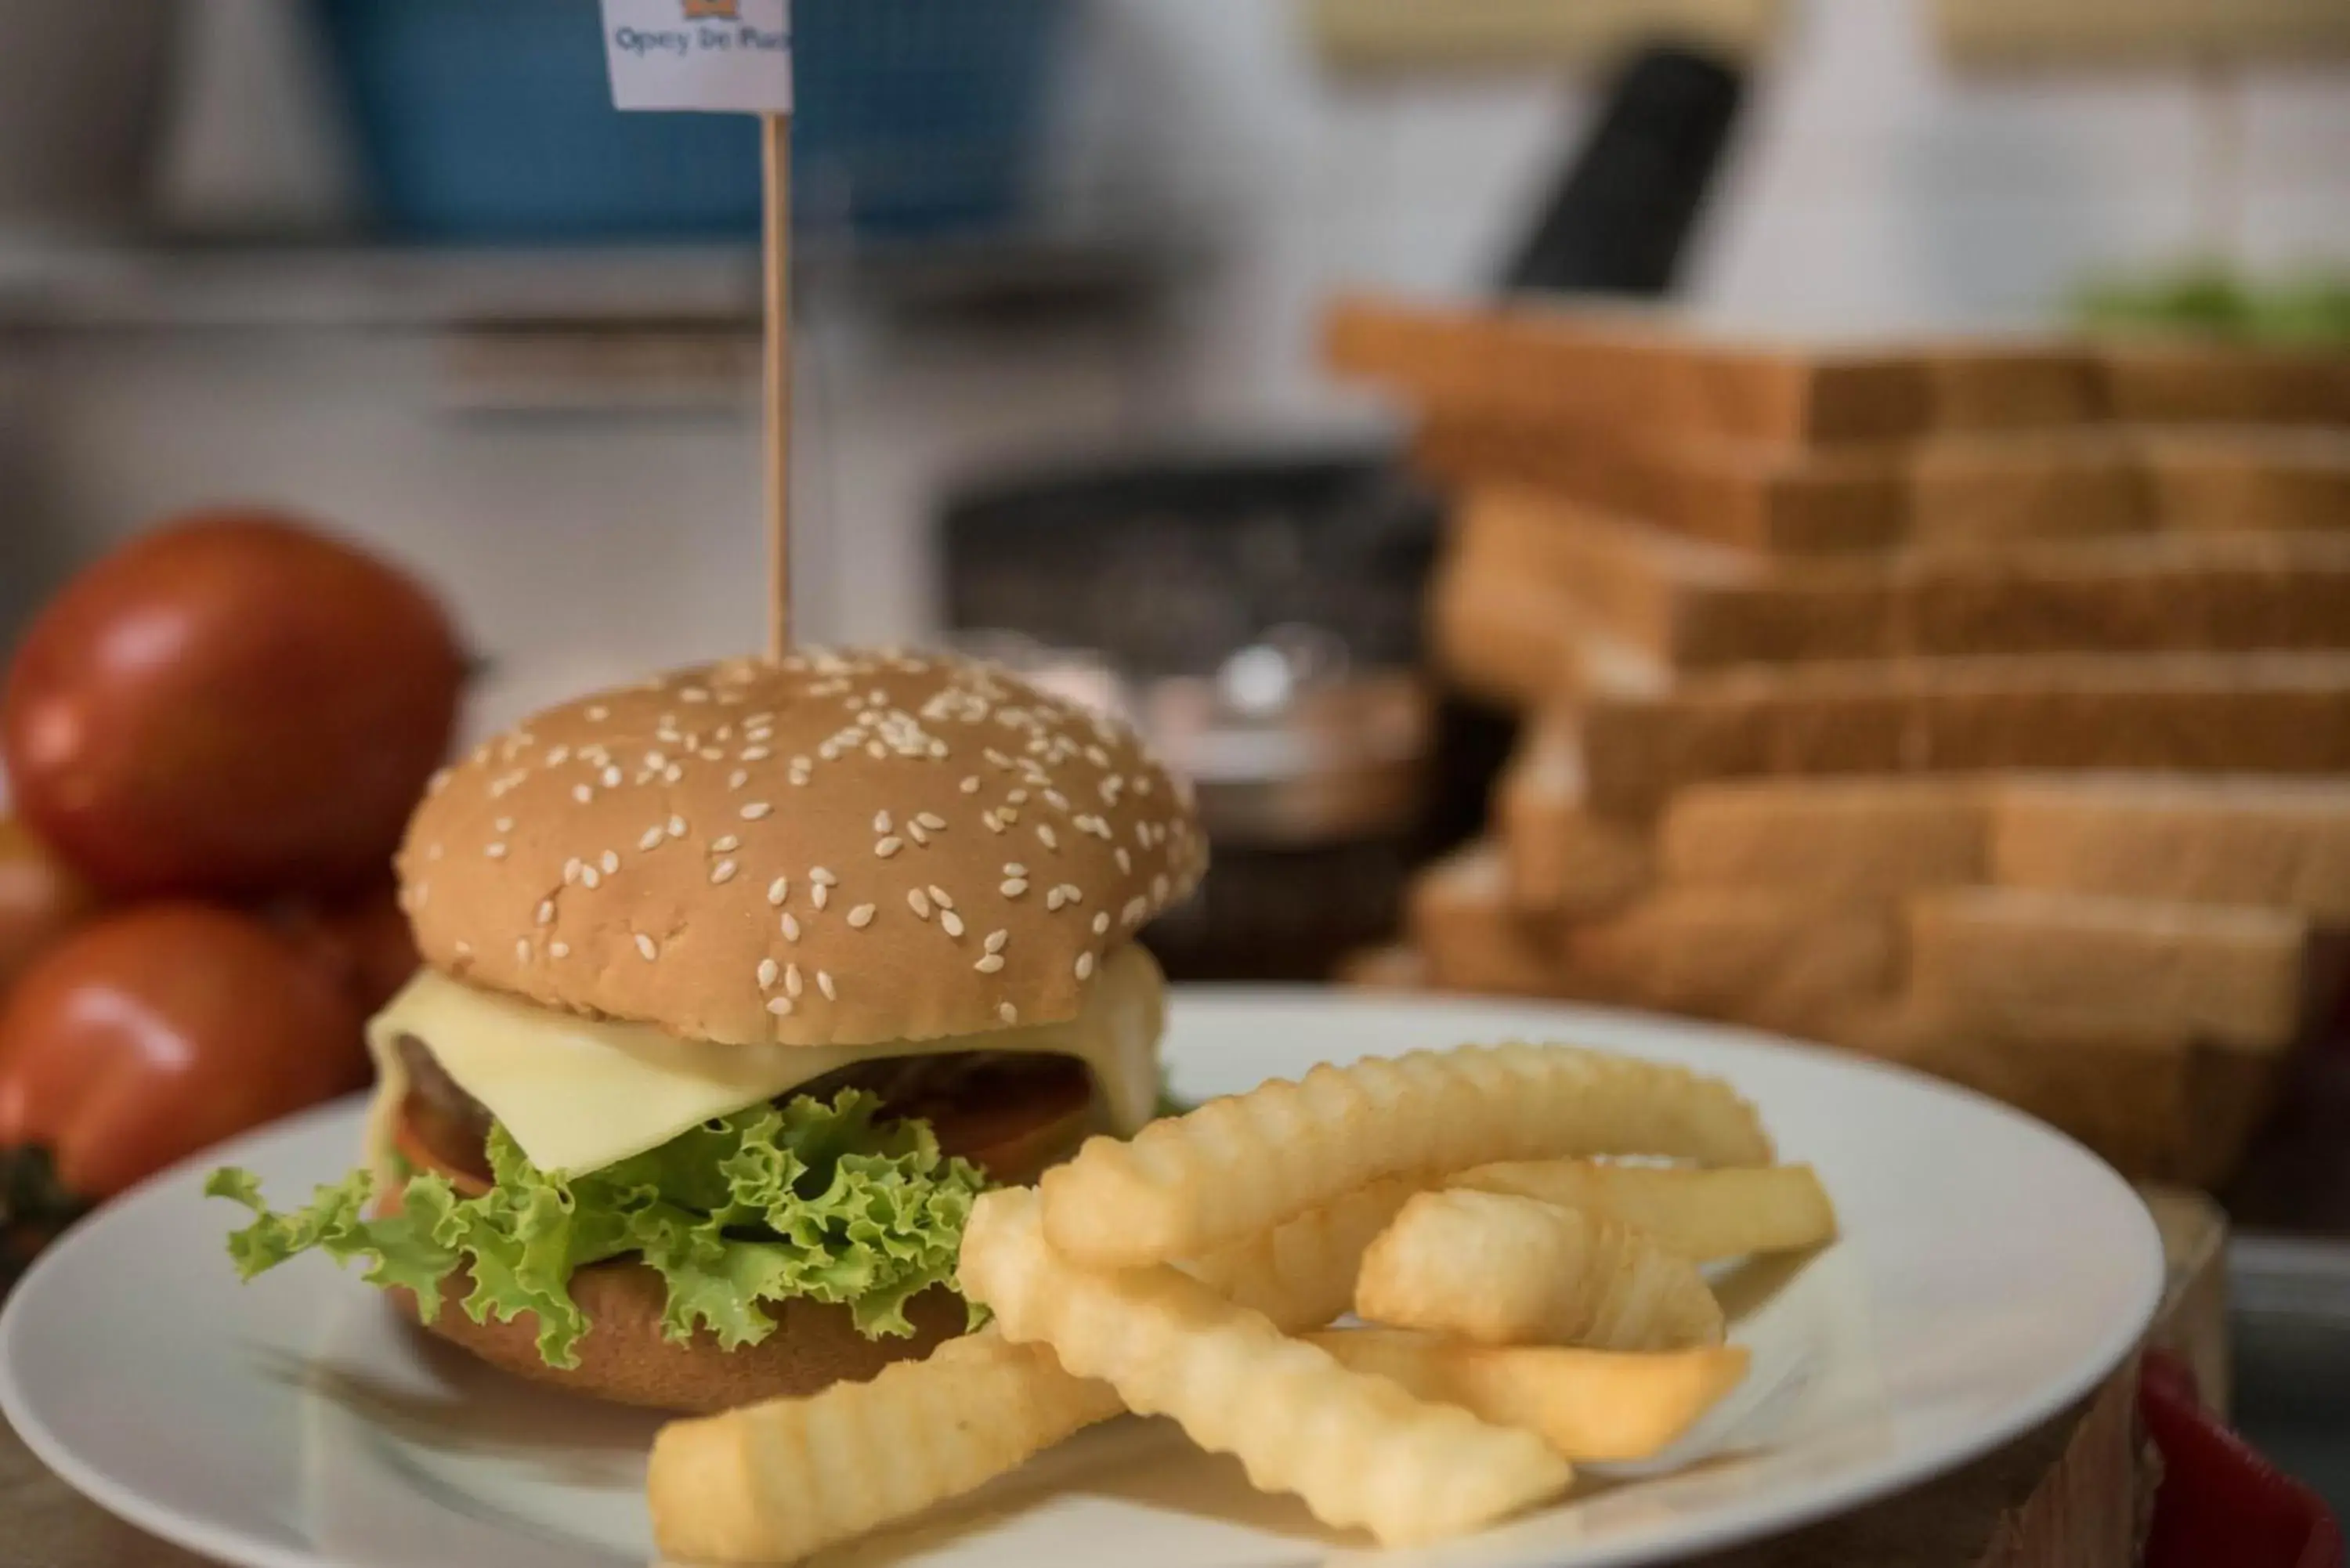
<point x="834" y="850"/>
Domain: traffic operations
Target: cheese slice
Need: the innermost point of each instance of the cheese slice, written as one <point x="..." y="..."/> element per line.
<point x="577" y="1093"/>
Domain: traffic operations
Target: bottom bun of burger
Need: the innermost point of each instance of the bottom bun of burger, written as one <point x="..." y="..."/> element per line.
<point x="626" y="1358"/>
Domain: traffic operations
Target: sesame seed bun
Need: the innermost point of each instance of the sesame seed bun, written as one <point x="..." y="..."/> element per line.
<point x="841" y="849"/>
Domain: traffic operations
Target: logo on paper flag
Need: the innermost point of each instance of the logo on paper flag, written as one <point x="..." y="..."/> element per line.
<point x="729" y="56"/>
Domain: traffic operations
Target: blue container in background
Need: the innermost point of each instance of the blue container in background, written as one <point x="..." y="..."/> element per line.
<point x="492" y="121"/>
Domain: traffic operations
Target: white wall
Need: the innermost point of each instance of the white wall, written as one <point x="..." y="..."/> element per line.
<point x="1872" y="191"/>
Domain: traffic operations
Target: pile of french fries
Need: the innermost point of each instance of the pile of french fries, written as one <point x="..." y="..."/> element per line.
<point x="1532" y="1307"/>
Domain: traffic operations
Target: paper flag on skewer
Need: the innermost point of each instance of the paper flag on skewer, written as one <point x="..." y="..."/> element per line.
<point x="720" y="56"/>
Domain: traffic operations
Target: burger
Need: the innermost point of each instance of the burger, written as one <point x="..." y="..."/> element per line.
<point x="740" y="984"/>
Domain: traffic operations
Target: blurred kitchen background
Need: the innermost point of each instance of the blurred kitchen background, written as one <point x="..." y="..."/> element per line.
<point x="396" y="264"/>
<point x="370" y="259"/>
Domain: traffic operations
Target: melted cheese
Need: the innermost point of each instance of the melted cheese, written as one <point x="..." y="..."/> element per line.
<point x="578" y="1094"/>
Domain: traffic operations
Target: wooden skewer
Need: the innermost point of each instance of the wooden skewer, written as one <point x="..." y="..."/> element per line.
<point x="775" y="137"/>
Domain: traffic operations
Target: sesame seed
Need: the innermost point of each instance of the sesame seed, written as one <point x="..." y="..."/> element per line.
<point x="1136" y="908"/>
<point x="995" y="941"/>
<point x="932" y="820"/>
<point x="877" y="751"/>
<point x="952" y="921"/>
<point x="656" y="761"/>
<point x="590" y="878"/>
<point x="522" y="950"/>
<point x="791" y="927"/>
<point x="653" y="839"/>
<point x="767" y="973"/>
<point x="598" y="713"/>
<point x="433" y="853"/>
<point x="820" y="894"/>
<point x="992" y="963"/>
<point x="938" y="897"/>
<point x="1012" y="888"/>
<point x="1054" y="899"/>
<point x="723" y="872"/>
<point x="888" y="846"/>
<point x="1125" y="862"/>
<point x="755" y="810"/>
<point x="496" y="851"/>
<point x="503" y="825"/>
<point x="545" y="912"/>
<point x="753" y="753"/>
<point x="570" y="872"/>
<point x="792" y="985"/>
<point x="970" y="784"/>
<point x="1056" y="800"/>
<point x="1084" y="966"/>
<point x="880" y="822"/>
<point x="558" y="950"/>
<point x="862" y="915"/>
<point x="1101" y="924"/>
<point x="824" y="985"/>
<point x="822" y="877"/>
<point x="781" y="1007"/>
<point x="1018" y="797"/>
<point x="737" y="779"/>
<point x="1072" y="894"/>
<point x="582" y="794"/>
<point x="610" y="862"/>
<point x="673" y="774"/>
<point x="611" y="778"/>
<point x="919" y="834"/>
<point x="464" y="950"/>
<point x="1044" y="836"/>
<point x="779" y="890"/>
<point x="647" y="948"/>
<point x="1013" y="869"/>
<point x="726" y="844"/>
<point x="1009" y="1013"/>
<point x="916" y="901"/>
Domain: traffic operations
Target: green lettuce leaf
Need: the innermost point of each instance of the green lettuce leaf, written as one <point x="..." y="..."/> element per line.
<point x="807" y="1200"/>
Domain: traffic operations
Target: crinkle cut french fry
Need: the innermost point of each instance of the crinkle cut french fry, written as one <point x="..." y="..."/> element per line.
<point x="1301" y="1273"/>
<point x="1702" y="1214"/>
<point x="1593" y="1407"/>
<point x="1501" y="1270"/>
<point x="776" y="1482"/>
<point x="1359" y="1449"/>
<point x="1238" y="1166"/>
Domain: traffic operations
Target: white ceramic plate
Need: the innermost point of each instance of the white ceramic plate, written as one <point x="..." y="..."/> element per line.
<point x="1990" y="1273"/>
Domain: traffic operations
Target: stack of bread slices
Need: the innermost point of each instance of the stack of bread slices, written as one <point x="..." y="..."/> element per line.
<point x="1981" y="705"/>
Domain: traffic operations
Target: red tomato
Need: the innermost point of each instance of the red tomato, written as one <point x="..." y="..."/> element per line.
<point x="39" y="898"/>
<point x="235" y="706"/>
<point x="152" y="1034"/>
<point x="365" y="944"/>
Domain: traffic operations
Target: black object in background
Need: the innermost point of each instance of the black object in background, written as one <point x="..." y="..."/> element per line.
<point x="1621" y="219"/>
<point x="1618" y="222"/>
<point x="1166" y="566"/>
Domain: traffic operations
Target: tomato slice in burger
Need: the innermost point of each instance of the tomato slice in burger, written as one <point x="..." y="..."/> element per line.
<point x="430" y="1141"/>
<point x="1013" y="1125"/>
